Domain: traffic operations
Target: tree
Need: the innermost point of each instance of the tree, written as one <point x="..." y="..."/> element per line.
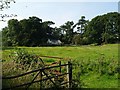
<point x="6" y="41"/>
<point x="81" y="24"/>
<point x="5" y="4"/>
<point x="76" y="39"/>
<point x="110" y="34"/>
<point x="57" y="33"/>
<point x="81" y="27"/>
<point x="67" y="29"/>
<point x="94" y="30"/>
<point x="31" y="32"/>
<point x="103" y="29"/>
<point x="13" y="30"/>
<point x="34" y="32"/>
<point x="25" y="32"/>
<point x="28" y="32"/>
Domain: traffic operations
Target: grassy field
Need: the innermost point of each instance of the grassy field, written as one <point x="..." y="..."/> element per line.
<point x="86" y="55"/>
<point x="75" y="52"/>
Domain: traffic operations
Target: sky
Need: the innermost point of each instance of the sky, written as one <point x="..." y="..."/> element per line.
<point x="59" y="11"/>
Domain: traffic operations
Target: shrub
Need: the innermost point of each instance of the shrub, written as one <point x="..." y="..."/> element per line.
<point x="25" y="59"/>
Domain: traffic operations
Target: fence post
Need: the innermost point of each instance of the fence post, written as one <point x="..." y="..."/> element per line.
<point x="69" y="75"/>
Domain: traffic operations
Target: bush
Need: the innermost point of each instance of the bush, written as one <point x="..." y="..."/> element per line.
<point x="25" y="59"/>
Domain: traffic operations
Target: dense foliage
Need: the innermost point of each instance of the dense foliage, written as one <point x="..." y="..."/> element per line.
<point x="34" y="32"/>
<point x="104" y="29"/>
<point x="27" y="32"/>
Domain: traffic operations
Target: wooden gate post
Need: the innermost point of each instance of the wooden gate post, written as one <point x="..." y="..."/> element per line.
<point x="69" y="75"/>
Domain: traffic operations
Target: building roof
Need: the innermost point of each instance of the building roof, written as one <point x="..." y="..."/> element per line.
<point x="54" y="42"/>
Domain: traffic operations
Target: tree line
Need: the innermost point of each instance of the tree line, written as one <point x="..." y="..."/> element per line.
<point x="34" y="31"/>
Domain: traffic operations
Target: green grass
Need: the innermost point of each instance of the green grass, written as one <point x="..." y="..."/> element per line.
<point x="108" y="53"/>
<point x="76" y="53"/>
<point x="94" y="80"/>
<point x="82" y="52"/>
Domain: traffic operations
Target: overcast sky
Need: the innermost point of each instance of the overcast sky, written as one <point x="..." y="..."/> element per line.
<point x="59" y="12"/>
